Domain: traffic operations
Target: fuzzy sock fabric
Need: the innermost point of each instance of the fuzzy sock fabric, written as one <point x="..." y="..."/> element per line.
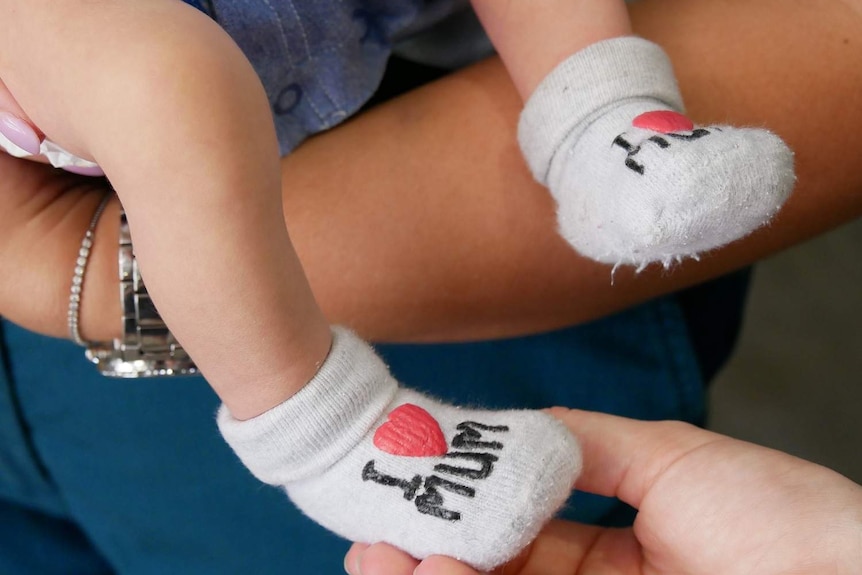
<point x="373" y="461"/>
<point x="636" y="181"/>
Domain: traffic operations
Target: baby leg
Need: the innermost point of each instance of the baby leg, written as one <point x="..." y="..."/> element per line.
<point x="179" y="122"/>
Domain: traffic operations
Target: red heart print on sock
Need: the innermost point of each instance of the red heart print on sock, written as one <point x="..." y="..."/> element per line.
<point x="410" y="431"/>
<point x="663" y="122"/>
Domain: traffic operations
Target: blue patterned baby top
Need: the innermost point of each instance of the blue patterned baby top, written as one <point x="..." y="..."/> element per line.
<point x="320" y="60"/>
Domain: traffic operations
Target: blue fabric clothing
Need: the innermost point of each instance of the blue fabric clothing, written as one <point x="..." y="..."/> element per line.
<point x="320" y="61"/>
<point x="136" y="477"/>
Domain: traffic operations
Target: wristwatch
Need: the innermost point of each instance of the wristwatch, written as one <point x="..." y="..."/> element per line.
<point x="147" y="347"/>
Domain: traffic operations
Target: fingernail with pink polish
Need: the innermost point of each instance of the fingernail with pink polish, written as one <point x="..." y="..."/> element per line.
<point x="19" y="133"/>
<point x="85" y="170"/>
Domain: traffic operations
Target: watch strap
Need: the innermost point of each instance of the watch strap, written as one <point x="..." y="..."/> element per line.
<point x="147" y="347"/>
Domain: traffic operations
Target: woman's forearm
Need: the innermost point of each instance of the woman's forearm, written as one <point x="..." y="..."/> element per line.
<point x="419" y="221"/>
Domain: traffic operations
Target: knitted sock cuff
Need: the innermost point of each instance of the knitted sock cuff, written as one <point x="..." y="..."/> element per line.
<point x="322" y="422"/>
<point x="583" y="85"/>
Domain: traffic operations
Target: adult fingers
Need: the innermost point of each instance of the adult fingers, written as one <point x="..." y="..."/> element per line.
<point x="18" y="135"/>
<point x="353" y="557"/>
<point x="438" y="564"/>
<point x="562" y="548"/>
<point x="378" y="559"/>
<point x="623" y="457"/>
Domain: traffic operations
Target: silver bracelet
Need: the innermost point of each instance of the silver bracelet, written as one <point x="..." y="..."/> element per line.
<point x="74" y="315"/>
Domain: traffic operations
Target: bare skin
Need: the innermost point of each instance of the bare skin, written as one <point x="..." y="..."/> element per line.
<point x="465" y="247"/>
<point x="158" y="95"/>
<point x="532" y="38"/>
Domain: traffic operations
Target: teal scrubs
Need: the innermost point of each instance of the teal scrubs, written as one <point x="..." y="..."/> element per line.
<point x="100" y="475"/>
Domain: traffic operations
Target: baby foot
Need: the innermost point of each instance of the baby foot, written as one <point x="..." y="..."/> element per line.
<point x="635" y="181"/>
<point x="375" y="462"/>
<point x="641" y="185"/>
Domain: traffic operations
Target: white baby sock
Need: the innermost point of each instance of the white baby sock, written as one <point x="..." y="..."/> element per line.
<point x="635" y="181"/>
<point x="375" y="462"/>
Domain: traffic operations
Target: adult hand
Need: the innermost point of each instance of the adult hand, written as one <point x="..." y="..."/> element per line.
<point x="708" y="504"/>
<point x="21" y="138"/>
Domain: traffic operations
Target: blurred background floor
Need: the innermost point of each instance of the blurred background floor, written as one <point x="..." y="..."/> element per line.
<point x="795" y="381"/>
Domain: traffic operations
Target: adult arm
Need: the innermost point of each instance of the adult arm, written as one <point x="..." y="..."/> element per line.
<point x="425" y="208"/>
<point x="419" y="221"/>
